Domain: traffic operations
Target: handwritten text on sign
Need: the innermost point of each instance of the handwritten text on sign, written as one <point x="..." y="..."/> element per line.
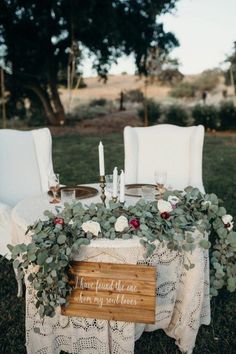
<point x="110" y="291"/>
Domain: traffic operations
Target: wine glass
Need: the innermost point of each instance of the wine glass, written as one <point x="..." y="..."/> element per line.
<point x="160" y="177"/>
<point x="54" y="186"/>
<point x="109" y="184"/>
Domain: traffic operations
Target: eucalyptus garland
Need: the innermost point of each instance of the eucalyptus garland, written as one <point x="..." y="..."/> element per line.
<point x="171" y="221"/>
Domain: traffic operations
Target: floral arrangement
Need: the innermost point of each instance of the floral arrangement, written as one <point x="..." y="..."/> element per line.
<point x="170" y="220"/>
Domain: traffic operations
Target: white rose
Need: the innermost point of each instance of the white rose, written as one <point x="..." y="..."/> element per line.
<point x="91" y="226"/>
<point x="164" y="206"/>
<point x="173" y="199"/>
<point x="228" y="221"/>
<point x="121" y="223"/>
<point x="227" y="218"/>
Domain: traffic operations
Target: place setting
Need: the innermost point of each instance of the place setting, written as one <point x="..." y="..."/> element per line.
<point x="67" y="194"/>
<point x="149" y="191"/>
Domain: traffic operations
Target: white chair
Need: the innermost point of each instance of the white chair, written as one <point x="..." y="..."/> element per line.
<point x="178" y="150"/>
<point x="25" y="164"/>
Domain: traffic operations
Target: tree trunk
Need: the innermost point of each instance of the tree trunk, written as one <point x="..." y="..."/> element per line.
<point x="45" y="100"/>
<point x="58" y="107"/>
<point x="145" y="106"/>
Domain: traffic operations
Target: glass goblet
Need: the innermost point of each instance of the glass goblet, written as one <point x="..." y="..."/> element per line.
<point x="160" y="177"/>
<point x="109" y="183"/>
<point x="54" y="186"/>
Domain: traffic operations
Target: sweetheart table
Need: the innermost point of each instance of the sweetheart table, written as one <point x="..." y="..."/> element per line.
<point x="182" y="297"/>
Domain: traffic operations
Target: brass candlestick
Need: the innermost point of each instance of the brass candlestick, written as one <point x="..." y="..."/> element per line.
<point x="103" y="185"/>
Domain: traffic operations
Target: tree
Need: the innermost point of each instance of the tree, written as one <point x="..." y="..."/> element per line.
<point x="230" y="74"/>
<point x="170" y="74"/>
<point x="158" y="67"/>
<point x="42" y="38"/>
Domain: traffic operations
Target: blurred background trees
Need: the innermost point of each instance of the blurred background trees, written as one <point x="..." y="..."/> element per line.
<point x="40" y="39"/>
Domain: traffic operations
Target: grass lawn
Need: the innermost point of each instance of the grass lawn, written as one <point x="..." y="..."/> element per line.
<point x="75" y="158"/>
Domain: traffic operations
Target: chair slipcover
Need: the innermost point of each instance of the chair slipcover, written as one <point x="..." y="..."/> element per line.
<point x="5" y="229"/>
<point x="178" y="150"/>
<point x="25" y="164"/>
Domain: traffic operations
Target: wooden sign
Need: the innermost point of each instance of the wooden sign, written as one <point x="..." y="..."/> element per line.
<point x="120" y="292"/>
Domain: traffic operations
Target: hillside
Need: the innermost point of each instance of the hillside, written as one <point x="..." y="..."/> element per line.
<point x="112" y="89"/>
<point x="116" y="83"/>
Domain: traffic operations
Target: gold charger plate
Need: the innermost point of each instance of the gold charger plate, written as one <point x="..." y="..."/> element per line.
<point x="135" y="190"/>
<point x="81" y="192"/>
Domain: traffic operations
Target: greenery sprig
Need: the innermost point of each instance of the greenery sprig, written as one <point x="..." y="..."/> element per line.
<point x="171" y="221"/>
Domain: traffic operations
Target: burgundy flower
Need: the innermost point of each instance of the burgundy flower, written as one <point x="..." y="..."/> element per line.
<point x="58" y="221"/>
<point x="135" y="223"/>
<point x="165" y="215"/>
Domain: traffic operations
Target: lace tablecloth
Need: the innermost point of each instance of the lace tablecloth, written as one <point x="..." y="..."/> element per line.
<point x="182" y="302"/>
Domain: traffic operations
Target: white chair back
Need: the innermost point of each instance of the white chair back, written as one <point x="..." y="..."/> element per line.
<point x="178" y="150"/>
<point x="25" y="164"/>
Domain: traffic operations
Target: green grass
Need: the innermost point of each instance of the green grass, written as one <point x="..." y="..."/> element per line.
<point x="75" y="158"/>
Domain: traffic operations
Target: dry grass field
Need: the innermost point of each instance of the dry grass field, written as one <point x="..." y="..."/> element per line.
<point x="116" y="83"/>
<point x="111" y="89"/>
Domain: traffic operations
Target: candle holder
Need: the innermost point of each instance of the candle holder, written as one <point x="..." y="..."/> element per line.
<point x="102" y="185"/>
<point x="114" y="199"/>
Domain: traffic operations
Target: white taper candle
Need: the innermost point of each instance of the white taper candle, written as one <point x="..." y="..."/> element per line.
<point x="101" y="159"/>
<point x="122" y="186"/>
<point x="115" y="182"/>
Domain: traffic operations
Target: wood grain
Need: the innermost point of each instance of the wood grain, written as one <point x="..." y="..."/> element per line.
<point x="109" y="291"/>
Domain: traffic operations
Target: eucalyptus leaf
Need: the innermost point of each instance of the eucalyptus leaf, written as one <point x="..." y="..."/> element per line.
<point x="10" y="247"/>
<point x="32" y="257"/>
<point x="143" y="227"/>
<point x="16" y="263"/>
<point x="231" y="284"/>
<point x="221" y="211"/>
<point x="213" y="199"/>
<point x="49" y="280"/>
<point x="49" y="214"/>
<point x="41" y="257"/>
<point x="213" y="209"/>
<point x="232" y="238"/>
<point x="61" y="239"/>
<point x="205" y="244"/>
<point x="38" y="227"/>
<point x="222" y="232"/>
<point x="112" y="220"/>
